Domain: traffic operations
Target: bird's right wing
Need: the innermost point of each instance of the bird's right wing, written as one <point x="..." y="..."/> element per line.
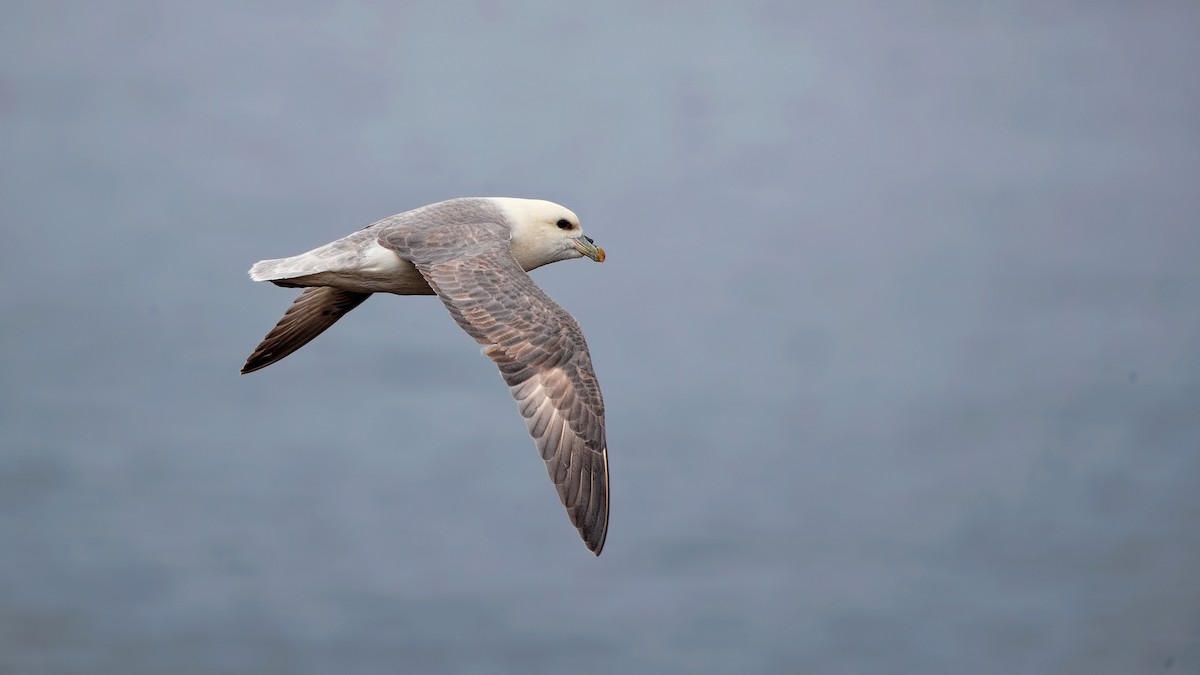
<point x="316" y="309"/>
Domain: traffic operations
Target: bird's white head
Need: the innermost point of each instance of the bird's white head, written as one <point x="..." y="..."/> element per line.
<point x="544" y="232"/>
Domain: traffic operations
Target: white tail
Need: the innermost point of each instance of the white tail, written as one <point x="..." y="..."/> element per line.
<point x="279" y="268"/>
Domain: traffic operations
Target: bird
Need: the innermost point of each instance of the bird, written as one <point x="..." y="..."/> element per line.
<point x="474" y="254"/>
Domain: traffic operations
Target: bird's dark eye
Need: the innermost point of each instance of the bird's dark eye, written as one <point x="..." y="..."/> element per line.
<point x="564" y="224"/>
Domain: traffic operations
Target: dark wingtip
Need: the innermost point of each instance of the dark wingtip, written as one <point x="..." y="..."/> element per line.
<point x="257" y="361"/>
<point x="595" y="545"/>
<point x="596" y="542"/>
<point x="594" y="535"/>
<point x="261" y="359"/>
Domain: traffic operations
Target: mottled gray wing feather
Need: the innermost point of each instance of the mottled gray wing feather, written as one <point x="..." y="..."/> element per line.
<point x="315" y="310"/>
<point x="539" y="348"/>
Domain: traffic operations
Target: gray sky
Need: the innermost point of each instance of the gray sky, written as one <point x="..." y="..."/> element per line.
<point x="898" y="336"/>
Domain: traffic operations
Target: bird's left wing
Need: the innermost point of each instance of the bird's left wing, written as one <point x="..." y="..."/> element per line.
<point x="538" y="347"/>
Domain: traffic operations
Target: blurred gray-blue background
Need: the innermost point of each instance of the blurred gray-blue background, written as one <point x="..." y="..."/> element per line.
<point x="899" y="335"/>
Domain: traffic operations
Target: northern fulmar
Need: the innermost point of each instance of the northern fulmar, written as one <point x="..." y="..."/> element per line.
<point x="473" y="254"/>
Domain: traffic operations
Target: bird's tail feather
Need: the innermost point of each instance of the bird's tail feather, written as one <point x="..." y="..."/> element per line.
<point x="279" y="268"/>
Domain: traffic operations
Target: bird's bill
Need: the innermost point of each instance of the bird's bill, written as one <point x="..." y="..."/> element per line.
<point x="586" y="246"/>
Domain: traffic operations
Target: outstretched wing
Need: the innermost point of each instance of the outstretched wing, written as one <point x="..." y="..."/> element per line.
<point x="539" y="348"/>
<point x="312" y="312"/>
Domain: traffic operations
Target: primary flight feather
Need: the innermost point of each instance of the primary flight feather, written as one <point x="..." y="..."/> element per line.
<point x="474" y="254"/>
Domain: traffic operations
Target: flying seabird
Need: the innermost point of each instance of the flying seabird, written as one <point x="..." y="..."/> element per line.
<point x="473" y="254"/>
